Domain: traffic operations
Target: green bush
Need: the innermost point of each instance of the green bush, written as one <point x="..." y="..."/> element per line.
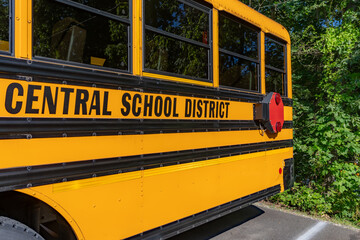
<point x="326" y="88"/>
<point x="305" y="199"/>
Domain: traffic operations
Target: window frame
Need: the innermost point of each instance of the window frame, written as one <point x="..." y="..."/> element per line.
<point x="240" y="56"/>
<point x="284" y="71"/>
<point x="11" y="31"/>
<point x="128" y="21"/>
<point x="209" y="47"/>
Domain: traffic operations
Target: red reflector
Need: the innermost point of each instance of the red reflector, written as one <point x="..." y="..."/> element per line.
<point x="278" y="127"/>
<point x="277" y="98"/>
<point x="280" y="170"/>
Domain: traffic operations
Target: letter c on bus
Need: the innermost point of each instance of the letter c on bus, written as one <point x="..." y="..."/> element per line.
<point x="10" y="96"/>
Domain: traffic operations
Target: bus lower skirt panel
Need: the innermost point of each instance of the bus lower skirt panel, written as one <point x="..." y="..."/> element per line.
<point x="185" y="224"/>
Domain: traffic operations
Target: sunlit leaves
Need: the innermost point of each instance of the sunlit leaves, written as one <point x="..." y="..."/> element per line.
<point x="326" y="87"/>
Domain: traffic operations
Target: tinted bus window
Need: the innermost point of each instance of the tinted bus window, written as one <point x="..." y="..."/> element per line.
<point x="5" y="25"/>
<point x="239" y="57"/>
<point x="178" y="18"/>
<point x="72" y="34"/>
<point x="275" y="74"/>
<point x="237" y="72"/>
<point x="169" y="55"/>
<point x="274" y="81"/>
<point x="177" y="38"/>
<point x="274" y="53"/>
<point x="117" y="7"/>
<point x="237" y="38"/>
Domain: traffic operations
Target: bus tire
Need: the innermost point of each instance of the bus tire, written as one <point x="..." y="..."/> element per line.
<point x="11" y="229"/>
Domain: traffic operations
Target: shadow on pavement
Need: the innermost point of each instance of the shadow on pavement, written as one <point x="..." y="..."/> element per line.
<point x="218" y="226"/>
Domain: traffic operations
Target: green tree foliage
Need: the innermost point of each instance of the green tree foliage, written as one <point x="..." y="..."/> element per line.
<point x="326" y="77"/>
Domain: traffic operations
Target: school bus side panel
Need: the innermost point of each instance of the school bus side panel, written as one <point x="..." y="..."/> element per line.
<point x="119" y="206"/>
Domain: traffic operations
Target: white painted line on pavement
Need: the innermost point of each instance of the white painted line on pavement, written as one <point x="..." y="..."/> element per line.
<point x="312" y="231"/>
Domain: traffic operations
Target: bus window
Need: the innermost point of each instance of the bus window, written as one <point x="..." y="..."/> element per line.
<point x="80" y="33"/>
<point x="177" y="38"/>
<point x="5" y="26"/>
<point x="118" y="7"/>
<point x="275" y="66"/>
<point x="239" y="57"/>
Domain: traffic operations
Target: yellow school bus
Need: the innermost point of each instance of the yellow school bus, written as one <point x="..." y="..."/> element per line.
<point x="138" y="119"/>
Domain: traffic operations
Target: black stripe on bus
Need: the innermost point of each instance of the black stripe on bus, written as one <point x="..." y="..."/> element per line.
<point x="22" y="177"/>
<point x="47" y="72"/>
<point x="48" y="127"/>
<point x="185" y="224"/>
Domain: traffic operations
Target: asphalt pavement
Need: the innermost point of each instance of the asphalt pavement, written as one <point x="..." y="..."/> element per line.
<point x="260" y="222"/>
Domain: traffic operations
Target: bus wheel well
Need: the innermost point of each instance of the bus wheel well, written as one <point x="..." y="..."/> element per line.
<point x="36" y="214"/>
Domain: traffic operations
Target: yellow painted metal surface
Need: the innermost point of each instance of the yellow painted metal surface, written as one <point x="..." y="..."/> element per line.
<point x="23" y="36"/>
<point x="215" y="43"/>
<point x="137" y="37"/>
<point x="289" y="80"/>
<point x="23" y="30"/>
<point x="248" y="14"/>
<point x="262" y="62"/>
<point x="38" y="151"/>
<point x="78" y="184"/>
<point x="121" y="205"/>
<point x="97" y="61"/>
<point x="177" y="79"/>
<point x="242" y="11"/>
<point x="288" y="113"/>
<point x="155" y="197"/>
<point x="4" y="45"/>
<point x="45" y="100"/>
<point x="82" y="67"/>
